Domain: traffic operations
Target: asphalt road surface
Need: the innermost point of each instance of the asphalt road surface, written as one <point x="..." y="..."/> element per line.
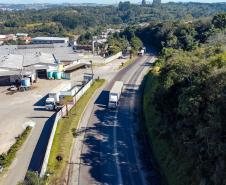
<point x="110" y="153"/>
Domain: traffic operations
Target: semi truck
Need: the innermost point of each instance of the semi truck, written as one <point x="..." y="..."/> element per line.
<point x="115" y="94"/>
<point x="53" y="100"/>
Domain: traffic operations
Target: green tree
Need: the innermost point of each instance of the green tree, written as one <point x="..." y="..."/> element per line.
<point x="124" y="6"/>
<point x="136" y="43"/>
<point x="219" y="21"/>
<point x="85" y="38"/>
<point x="189" y="102"/>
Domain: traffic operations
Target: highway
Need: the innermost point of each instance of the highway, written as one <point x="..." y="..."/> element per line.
<point x="109" y="152"/>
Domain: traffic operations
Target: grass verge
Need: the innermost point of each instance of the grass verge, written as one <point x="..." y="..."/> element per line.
<point x="63" y="138"/>
<point x="7" y="159"/>
<point x="174" y="165"/>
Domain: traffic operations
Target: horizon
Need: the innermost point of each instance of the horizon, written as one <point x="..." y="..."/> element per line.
<point x="101" y="1"/>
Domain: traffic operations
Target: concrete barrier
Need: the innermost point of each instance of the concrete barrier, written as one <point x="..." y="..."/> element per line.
<point x="113" y="57"/>
<point x="58" y="116"/>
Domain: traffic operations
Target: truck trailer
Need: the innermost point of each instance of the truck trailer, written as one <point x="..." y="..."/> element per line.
<point x="53" y="100"/>
<point x="115" y="94"/>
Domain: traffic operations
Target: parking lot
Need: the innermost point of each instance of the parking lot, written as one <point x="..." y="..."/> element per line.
<point x="23" y="108"/>
<point x="19" y="109"/>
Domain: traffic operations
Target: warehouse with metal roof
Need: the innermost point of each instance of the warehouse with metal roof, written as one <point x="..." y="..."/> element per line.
<point x="13" y="66"/>
<point x="49" y="40"/>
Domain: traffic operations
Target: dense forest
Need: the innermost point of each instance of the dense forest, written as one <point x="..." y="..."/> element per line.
<point x="185" y="100"/>
<point x="72" y="20"/>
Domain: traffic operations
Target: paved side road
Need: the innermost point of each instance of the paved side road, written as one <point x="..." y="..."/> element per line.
<point x="20" y="165"/>
<point x="106" y="151"/>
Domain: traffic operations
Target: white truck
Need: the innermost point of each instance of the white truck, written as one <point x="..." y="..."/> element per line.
<point x="53" y="100"/>
<point x="115" y="94"/>
<point x="141" y="52"/>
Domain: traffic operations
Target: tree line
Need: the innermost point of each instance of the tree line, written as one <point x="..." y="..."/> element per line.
<point x="183" y="35"/>
<point x="185" y="100"/>
<point x="61" y="21"/>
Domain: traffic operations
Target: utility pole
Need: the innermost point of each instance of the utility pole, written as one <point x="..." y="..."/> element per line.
<point x="91" y="62"/>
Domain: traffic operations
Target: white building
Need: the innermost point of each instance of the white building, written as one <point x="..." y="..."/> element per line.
<point x="2" y="37"/>
<point x="50" y="40"/>
<point x="22" y="34"/>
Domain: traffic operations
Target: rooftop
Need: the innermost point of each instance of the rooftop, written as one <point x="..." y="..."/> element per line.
<point x="16" y="62"/>
<point x="33" y="48"/>
<point x="5" y="72"/>
<point x="60" y="51"/>
<point x="11" y="61"/>
<point x="50" y="38"/>
<point x="38" y="58"/>
<point x="22" y="34"/>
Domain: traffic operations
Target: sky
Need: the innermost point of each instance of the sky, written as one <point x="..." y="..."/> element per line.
<point x="101" y="1"/>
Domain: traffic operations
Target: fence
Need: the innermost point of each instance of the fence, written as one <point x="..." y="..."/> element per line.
<point x="113" y="57"/>
<point x="58" y="116"/>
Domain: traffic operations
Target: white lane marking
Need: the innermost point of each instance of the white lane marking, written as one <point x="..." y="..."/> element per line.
<point x="116" y="150"/>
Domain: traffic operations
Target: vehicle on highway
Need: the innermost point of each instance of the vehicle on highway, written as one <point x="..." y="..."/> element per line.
<point x="141" y="52"/>
<point x="114" y="94"/>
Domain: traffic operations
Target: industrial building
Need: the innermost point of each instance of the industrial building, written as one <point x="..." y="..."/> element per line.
<point x="37" y="61"/>
<point x="15" y="67"/>
<point x="50" y="40"/>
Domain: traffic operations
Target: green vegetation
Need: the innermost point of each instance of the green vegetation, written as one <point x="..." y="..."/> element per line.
<point x="117" y="44"/>
<point x="184" y="35"/>
<point x="85" y="38"/>
<point x="75" y="20"/>
<point x="7" y="159"/>
<point x="64" y="137"/>
<point x="125" y="41"/>
<point x="185" y="103"/>
<point x="32" y="178"/>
